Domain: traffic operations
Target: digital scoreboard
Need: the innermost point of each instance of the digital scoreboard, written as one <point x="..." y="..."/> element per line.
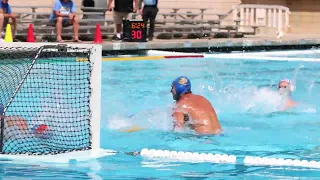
<point x="134" y="31"/>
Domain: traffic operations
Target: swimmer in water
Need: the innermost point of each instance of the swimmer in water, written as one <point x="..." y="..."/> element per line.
<point x="192" y="110"/>
<point x="16" y="127"/>
<point x="285" y="89"/>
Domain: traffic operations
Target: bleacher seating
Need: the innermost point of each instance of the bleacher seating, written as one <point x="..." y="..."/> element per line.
<point x="177" y="23"/>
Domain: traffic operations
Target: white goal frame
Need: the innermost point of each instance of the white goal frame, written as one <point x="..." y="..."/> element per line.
<point x="95" y="106"/>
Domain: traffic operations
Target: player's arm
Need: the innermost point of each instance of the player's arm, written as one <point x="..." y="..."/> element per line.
<point x="3" y="14"/>
<point x="178" y="120"/>
<point x="135" y="8"/>
<point x="73" y="11"/>
<point x="110" y="5"/>
<point x="17" y="121"/>
<point x="178" y="117"/>
<point x="215" y="121"/>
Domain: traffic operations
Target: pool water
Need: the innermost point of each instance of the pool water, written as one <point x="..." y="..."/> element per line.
<point x="243" y="92"/>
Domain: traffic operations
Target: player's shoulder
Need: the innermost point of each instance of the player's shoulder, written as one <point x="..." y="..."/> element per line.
<point x="182" y="103"/>
<point x="199" y="97"/>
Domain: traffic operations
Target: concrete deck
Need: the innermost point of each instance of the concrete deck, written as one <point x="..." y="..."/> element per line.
<point x="216" y="43"/>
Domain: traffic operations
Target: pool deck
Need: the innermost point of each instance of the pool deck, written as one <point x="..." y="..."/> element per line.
<point x="158" y="44"/>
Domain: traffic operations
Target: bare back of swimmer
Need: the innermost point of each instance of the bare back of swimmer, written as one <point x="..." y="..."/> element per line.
<point x="193" y="110"/>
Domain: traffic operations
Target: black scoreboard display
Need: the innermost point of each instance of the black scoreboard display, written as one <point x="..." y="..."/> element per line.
<point x="134" y="31"/>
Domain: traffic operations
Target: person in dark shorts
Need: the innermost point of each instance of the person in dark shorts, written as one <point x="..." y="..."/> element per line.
<point x="121" y="11"/>
<point x="5" y="16"/>
<point x="149" y="13"/>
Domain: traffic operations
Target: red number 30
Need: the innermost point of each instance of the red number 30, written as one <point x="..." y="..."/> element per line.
<point x="136" y="34"/>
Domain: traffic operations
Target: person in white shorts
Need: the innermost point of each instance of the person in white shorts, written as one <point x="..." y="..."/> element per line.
<point x="121" y="11"/>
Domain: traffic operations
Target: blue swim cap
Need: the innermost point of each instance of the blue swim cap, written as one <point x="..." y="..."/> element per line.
<point x="182" y="85"/>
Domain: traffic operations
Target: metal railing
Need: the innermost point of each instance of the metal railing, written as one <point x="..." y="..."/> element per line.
<point x="263" y="16"/>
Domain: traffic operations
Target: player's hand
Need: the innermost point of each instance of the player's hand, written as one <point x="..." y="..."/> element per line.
<point x="140" y="12"/>
<point x="71" y="16"/>
<point x="135" y="10"/>
<point x="110" y="7"/>
<point x="13" y="16"/>
<point x="21" y="123"/>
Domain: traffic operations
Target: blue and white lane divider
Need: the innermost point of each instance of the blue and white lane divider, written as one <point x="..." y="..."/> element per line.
<point x="188" y="156"/>
<point x="225" y="159"/>
<point x="263" y="161"/>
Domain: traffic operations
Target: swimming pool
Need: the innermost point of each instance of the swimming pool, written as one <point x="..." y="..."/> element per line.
<point x="241" y="90"/>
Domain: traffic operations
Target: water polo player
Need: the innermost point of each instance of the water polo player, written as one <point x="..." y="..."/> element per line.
<point x="285" y="88"/>
<point x="192" y="110"/>
<point x="15" y="127"/>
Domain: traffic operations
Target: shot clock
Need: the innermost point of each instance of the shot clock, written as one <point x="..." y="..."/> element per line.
<point x="134" y="31"/>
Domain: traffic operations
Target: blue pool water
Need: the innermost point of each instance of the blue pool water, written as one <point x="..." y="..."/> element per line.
<point x="242" y="92"/>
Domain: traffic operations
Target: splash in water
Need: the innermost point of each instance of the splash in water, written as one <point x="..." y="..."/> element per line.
<point x="253" y="100"/>
<point x="157" y="118"/>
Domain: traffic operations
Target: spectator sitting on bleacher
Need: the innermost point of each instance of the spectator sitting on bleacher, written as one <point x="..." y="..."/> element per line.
<point x="5" y="15"/>
<point x="63" y="15"/>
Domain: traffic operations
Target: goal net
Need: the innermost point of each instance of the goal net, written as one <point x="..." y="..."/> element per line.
<point x="49" y="98"/>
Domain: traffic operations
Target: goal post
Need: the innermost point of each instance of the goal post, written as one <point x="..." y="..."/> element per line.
<point x="51" y="100"/>
<point x="96" y="96"/>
